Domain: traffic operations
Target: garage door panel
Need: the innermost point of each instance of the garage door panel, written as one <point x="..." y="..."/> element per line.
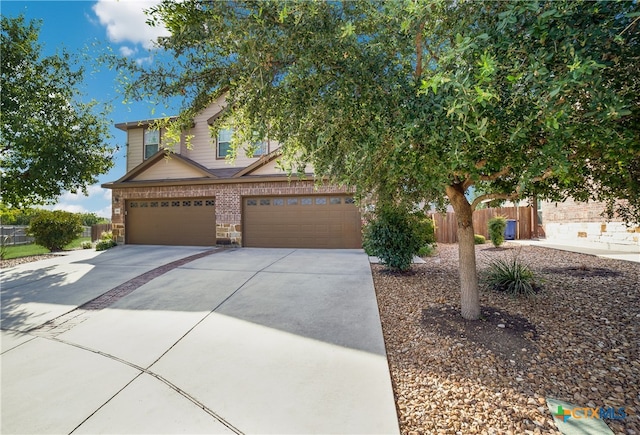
<point x="301" y="222"/>
<point x="174" y="221"/>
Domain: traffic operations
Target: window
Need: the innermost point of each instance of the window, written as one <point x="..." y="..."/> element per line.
<point x="224" y="142"/>
<point x="151" y="142"/>
<point x="261" y="149"/>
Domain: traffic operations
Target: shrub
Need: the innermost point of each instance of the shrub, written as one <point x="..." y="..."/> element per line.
<point x="497" y="225"/>
<point x="106" y="241"/>
<point x="54" y="229"/>
<point x="479" y="239"/>
<point x="395" y="235"/>
<point x="427" y="251"/>
<point x="511" y="276"/>
<point x="86" y="245"/>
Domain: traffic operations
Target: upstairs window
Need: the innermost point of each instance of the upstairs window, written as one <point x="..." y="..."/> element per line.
<point x="261" y="149"/>
<point x="151" y="142"/>
<point x="224" y="142"/>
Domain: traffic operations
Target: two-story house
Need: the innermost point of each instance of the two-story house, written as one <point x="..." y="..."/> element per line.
<point x="195" y="196"/>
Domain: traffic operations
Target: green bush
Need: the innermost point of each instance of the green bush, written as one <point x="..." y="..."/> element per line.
<point x="106" y="241"/>
<point x="497" y="225"/>
<point x="395" y="235"/>
<point x="479" y="239"/>
<point x="86" y="245"/>
<point x="427" y="251"/>
<point x="54" y="229"/>
<point x="511" y="276"/>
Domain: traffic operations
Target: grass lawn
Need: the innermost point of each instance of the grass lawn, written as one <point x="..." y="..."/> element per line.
<point x="18" y="251"/>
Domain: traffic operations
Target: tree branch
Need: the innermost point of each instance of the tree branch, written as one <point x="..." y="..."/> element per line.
<point x="418" y="71"/>
<point x="495" y="175"/>
<point x="491" y="196"/>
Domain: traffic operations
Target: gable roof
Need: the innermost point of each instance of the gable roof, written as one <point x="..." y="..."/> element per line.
<point x="197" y="169"/>
<point x="262" y="161"/>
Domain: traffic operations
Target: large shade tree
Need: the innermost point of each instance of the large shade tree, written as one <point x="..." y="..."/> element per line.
<point x="50" y="140"/>
<point x="421" y="100"/>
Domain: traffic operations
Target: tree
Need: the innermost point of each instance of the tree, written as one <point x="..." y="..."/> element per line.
<point x="422" y="100"/>
<point x="50" y="141"/>
<point x="89" y="219"/>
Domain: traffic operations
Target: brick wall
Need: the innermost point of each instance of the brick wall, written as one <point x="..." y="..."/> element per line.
<point x="580" y="223"/>
<point x="228" y="201"/>
<point x="572" y="211"/>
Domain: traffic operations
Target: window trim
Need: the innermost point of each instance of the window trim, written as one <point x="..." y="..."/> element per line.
<point x="264" y="144"/>
<point x="218" y="157"/>
<point x="144" y="143"/>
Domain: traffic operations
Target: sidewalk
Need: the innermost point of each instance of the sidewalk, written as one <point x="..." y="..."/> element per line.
<point x="589" y="250"/>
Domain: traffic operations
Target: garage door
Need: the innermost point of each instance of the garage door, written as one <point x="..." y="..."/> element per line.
<point x="176" y="221"/>
<point x="301" y="222"/>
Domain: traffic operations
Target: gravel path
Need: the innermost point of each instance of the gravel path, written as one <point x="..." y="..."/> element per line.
<point x="578" y="340"/>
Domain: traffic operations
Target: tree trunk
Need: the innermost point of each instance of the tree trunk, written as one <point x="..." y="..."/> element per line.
<point x="469" y="295"/>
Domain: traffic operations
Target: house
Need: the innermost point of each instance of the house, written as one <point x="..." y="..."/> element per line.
<point x="578" y="223"/>
<point x="195" y="196"/>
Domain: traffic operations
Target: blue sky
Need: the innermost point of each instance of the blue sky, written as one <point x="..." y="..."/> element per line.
<point x="76" y="25"/>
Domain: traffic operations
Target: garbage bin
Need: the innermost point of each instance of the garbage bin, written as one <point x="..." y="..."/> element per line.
<point x="510" y="230"/>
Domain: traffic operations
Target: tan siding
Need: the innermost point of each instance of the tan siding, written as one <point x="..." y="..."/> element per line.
<point x="169" y="169"/>
<point x="135" y="147"/>
<point x="203" y="146"/>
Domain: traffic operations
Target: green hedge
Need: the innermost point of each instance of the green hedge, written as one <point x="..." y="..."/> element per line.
<point x="55" y="229"/>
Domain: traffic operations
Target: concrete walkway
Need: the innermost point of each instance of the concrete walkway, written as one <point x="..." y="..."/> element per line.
<point x="626" y="255"/>
<point x="239" y="341"/>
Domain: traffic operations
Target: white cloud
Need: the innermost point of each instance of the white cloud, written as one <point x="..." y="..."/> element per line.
<point x="143" y="60"/>
<point x="73" y="208"/>
<point x="105" y="212"/>
<point x="127" y="51"/>
<point x="97" y="201"/>
<point x="92" y="190"/>
<point x="125" y="21"/>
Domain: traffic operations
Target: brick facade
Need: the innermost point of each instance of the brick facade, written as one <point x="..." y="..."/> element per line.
<point x="228" y="201"/>
<point x="583" y="224"/>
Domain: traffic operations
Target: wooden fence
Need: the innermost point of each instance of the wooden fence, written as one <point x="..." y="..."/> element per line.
<point x="447" y="226"/>
<point x="98" y="229"/>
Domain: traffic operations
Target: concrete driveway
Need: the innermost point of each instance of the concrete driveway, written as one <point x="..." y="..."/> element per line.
<point x="150" y="339"/>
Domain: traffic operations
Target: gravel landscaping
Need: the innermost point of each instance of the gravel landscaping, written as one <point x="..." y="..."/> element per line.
<point x="577" y="340"/>
<point x="5" y="264"/>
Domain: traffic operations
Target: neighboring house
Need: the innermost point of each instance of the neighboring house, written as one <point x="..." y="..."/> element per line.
<point x="579" y="223"/>
<point x="197" y="197"/>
